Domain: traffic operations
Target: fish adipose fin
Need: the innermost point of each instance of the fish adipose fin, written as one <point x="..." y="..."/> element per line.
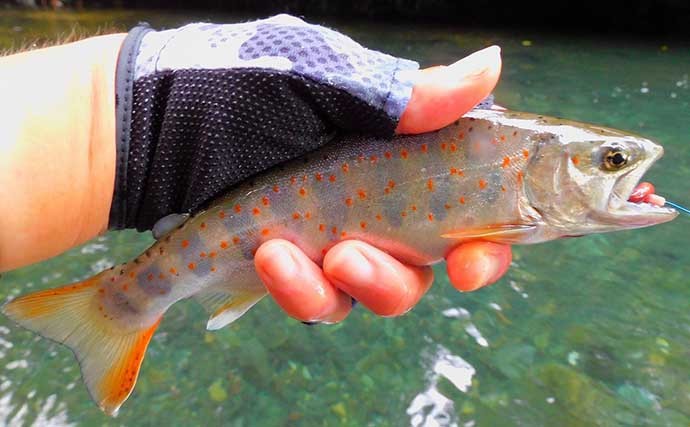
<point x="109" y="357"/>
<point x="168" y="224"/>
<point x="226" y="304"/>
<point x="508" y="234"/>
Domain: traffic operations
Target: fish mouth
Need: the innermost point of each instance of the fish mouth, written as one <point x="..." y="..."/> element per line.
<point x="642" y="213"/>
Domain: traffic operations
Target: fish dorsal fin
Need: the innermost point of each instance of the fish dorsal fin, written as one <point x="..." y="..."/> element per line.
<point x="109" y="356"/>
<point x="168" y="223"/>
<point x="505" y="233"/>
<point x="226" y="304"/>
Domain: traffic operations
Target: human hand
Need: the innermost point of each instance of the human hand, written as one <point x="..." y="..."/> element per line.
<point x="354" y="269"/>
<point x="216" y="104"/>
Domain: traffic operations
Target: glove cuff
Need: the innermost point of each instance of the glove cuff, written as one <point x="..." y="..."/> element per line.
<point x="124" y="83"/>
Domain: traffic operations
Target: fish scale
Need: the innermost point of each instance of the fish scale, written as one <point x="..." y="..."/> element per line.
<point x="499" y="176"/>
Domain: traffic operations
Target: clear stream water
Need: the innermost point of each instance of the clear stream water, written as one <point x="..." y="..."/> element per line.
<point x="590" y="331"/>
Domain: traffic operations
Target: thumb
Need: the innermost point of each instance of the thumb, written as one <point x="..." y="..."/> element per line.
<point x="443" y="94"/>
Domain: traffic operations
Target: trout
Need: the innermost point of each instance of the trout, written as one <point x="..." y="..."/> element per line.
<point x="493" y="175"/>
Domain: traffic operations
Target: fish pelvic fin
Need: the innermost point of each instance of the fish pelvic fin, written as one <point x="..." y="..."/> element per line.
<point x="504" y="233"/>
<point x="225" y="305"/>
<point x="109" y="356"/>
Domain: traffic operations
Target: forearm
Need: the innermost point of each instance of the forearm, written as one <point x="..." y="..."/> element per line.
<point x="57" y="148"/>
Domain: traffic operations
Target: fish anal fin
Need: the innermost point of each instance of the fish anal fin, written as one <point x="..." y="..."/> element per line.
<point x="109" y="356"/>
<point x="504" y="233"/>
<point x="226" y="305"/>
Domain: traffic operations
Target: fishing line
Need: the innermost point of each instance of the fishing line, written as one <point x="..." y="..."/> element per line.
<point x="678" y="207"/>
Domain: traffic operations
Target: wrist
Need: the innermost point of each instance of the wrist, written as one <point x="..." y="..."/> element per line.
<point x="57" y="157"/>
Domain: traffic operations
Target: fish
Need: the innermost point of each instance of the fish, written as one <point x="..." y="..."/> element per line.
<point x="500" y="176"/>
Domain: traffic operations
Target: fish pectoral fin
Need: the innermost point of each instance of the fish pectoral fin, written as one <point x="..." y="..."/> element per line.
<point x="167" y="224"/>
<point x="227" y="305"/>
<point x="505" y="233"/>
<point x="109" y="357"/>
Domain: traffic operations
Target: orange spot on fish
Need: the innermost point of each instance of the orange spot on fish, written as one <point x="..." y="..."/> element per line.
<point x="502" y="138"/>
<point x="296" y="215"/>
<point x="461" y="135"/>
<point x="343" y="234"/>
<point x="302" y="191"/>
<point x="161" y="276"/>
<point x="307" y="215"/>
<point x="265" y="232"/>
<point x="443" y="146"/>
<point x="221" y="214"/>
<point x="202" y="254"/>
<point x="173" y="270"/>
<point x="334" y="230"/>
<point x="430" y="217"/>
<point x="414" y="208"/>
<point x="304" y="178"/>
<point x="506" y="162"/>
<point x="348" y="201"/>
<point x="503" y="188"/>
<point x="387" y="154"/>
<point x="223" y="244"/>
<point x="265" y="201"/>
<point x="425" y="148"/>
<point x="322" y="227"/>
<point x="362" y="194"/>
<point x="185" y="243"/>
<point x="519" y="177"/>
<point x="363" y="225"/>
<point x="482" y="184"/>
<point x="238" y="208"/>
<point x="576" y="160"/>
<point x="235" y="240"/>
<point x="293" y="180"/>
<point x="276" y="189"/>
<point x="213" y="269"/>
<point x="387" y="190"/>
<point x="373" y="159"/>
<point x="125" y="287"/>
<point x="453" y="148"/>
<point x="403" y="214"/>
<point x="132" y="275"/>
<point x="525" y="153"/>
<point x="318" y="177"/>
<point x="403" y="153"/>
<point x="430" y="184"/>
<point x="391" y="184"/>
<point x="378" y="217"/>
<point x="462" y="200"/>
<point x="453" y="171"/>
<point x="447" y="206"/>
<point x="149" y="277"/>
<point x="212" y="254"/>
<point x="331" y="178"/>
<point x="191" y="266"/>
<point x="346" y="167"/>
<point x="202" y="225"/>
<point x="256" y="211"/>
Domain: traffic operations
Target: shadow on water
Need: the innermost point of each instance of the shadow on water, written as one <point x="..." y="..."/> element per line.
<point x="591" y="331"/>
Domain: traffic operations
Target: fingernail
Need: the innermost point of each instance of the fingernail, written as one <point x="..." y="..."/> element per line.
<point x="476" y="64"/>
<point x="352" y="266"/>
<point x="282" y="264"/>
<point x="489" y="269"/>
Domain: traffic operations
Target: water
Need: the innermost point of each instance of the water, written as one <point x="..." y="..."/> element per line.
<point x="590" y="331"/>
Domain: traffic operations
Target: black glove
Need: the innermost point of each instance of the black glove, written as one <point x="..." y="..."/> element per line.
<point x="204" y="107"/>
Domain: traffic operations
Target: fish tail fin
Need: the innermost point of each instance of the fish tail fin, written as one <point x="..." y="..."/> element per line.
<point x="109" y="356"/>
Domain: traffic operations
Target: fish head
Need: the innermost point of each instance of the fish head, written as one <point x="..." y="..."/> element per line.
<point x="581" y="176"/>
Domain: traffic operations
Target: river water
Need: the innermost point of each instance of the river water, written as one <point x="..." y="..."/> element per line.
<point x="590" y="331"/>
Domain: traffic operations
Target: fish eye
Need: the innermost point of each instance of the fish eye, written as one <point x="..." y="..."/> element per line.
<point x="615" y="159"/>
